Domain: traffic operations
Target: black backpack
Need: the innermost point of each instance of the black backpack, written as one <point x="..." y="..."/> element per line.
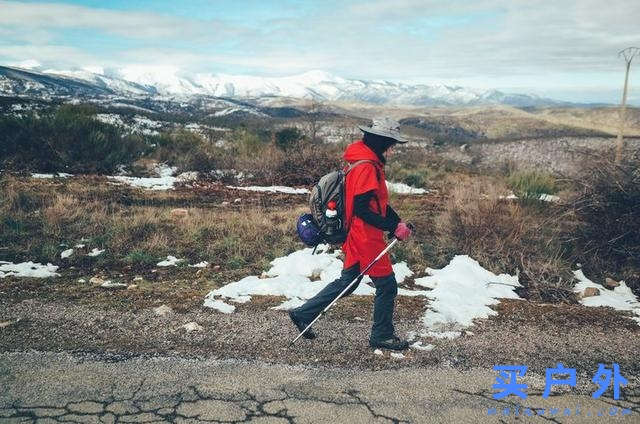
<point x="327" y="204"/>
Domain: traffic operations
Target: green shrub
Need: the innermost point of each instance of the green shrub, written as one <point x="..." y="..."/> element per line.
<point x="530" y="185"/>
<point x="188" y="151"/>
<point x="70" y="140"/>
<point x="140" y="257"/>
<point x="288" y="138"/>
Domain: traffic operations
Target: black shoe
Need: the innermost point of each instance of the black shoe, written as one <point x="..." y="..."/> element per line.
<point x="309" y="334"/>
<point x="393" y="343"/>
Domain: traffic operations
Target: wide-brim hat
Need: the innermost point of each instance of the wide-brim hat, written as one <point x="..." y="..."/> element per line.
<point x="385" y="127"/>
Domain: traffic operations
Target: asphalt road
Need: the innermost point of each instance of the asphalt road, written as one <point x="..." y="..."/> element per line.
<point x="60" y="387"/>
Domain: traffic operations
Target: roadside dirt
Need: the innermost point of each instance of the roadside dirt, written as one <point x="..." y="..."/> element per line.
<point x="123" y="322"/>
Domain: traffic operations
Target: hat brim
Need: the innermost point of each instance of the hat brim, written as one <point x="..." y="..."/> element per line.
<point x="370" y="130"/>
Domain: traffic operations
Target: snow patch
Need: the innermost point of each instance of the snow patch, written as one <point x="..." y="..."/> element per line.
<point x="461" y="292"/>
<point x="95" y="252"/>
<point x="402" y="188"/>
<point x="219" y="305"/>
<point x="273" y="189"/>
<point x="620" y="298"/>
<point x="67" y="253"/>
<point x="48" y="176"/>
<point x="170" y="261"/>
<point x="27" y="269"/>
<point x="164" y="181"/>
<point x="298" y="277"/>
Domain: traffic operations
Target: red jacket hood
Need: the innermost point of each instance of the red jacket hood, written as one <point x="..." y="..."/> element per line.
<point x="359" y="151"/>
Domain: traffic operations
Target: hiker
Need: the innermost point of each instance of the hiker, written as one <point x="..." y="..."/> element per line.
<point x="368" y="215"/>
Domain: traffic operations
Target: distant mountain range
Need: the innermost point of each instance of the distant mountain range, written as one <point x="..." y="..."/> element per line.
<point x="169" y="82"/>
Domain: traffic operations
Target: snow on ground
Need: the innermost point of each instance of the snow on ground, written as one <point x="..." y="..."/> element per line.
<point x="549" y="198"/>
<point x="164" y="181"/>
<point x="298" y="277"/>
<point x="145" y="125"/>
<point x="141" y="124"/>
<point x="170" y="261"/>
<point x="27" y="269"/>
<point x="402" y="188"/>
<point x="273" y="189"/>
<point x="620" y="298"/>
<point x="110" y="118"/>
<point x="56" y="175"/>
<point x="544" y="197"/>
<point x="230" y="173"/>
<point x="460" y="292"/>
<point x="67" y="253"/>
<point x="95" y="252"/>
<point x="237" y="109"/>
<point x="203" y="129"/>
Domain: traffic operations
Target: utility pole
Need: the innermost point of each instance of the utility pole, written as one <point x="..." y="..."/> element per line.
<point x="628" y="54"/>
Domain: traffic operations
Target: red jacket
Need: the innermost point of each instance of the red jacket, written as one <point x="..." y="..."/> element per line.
<point x="364" y="242"/>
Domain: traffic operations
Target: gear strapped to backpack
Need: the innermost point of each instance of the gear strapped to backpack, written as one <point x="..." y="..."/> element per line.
<point x="326" y="222"/>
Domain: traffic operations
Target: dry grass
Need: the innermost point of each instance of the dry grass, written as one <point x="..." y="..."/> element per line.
<point x="506" y="236"/>
<point x="607" y="239"/>
<point x="41" y="219"/>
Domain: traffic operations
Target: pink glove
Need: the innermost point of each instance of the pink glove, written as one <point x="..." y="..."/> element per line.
<point x="402" y="231"/>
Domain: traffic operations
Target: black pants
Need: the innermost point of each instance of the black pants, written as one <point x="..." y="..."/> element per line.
<point x="386" y="291"/>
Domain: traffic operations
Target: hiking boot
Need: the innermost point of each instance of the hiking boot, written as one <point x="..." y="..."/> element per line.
<point x="309" y="334"/>
<point x="393" y="343"/>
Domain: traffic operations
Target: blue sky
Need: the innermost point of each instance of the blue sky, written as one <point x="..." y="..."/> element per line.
<point x="561" y="49"/>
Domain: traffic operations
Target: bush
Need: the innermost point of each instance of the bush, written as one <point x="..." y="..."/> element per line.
<point x="69" y="140"/>
<point x="189" y="152"/>
<point x="288" y="138"/>
<point x="303" y="165"/>
<point x="530" y="185"/>
<point x="607" y="207"/>
<point x="507" y="237"/>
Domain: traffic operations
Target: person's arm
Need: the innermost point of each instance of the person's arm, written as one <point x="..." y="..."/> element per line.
<point x="361" y="209"/>
<point x="392" y="214"/>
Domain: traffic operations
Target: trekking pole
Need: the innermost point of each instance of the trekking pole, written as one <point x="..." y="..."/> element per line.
<point x="380" y="255"/>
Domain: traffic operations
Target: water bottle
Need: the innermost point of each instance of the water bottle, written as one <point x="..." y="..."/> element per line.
<point x="332" y="219"/>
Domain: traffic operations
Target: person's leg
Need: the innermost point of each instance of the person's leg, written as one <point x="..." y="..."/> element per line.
<point x="386" y="291"/>
<point x="307" y="312"/>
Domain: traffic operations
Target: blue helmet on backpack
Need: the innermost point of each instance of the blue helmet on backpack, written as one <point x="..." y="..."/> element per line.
<point x="308" y="231"/>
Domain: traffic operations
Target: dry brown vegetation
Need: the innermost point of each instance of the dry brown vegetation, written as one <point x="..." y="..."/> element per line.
<point x="507" y="236"/>
<point x="39" y="217"/>
<point x="607" y="210"/>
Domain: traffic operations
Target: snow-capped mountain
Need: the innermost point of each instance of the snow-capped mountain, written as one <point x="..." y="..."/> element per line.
<point x="170" y="81"/>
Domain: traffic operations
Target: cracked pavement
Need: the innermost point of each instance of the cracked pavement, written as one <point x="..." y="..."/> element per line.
<point x="61" y="387"/>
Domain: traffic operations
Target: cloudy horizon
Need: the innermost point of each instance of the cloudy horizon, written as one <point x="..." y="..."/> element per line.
<point x="565" y="50"/>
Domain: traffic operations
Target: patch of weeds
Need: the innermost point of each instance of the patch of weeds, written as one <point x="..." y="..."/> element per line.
<point x="140" y="257"/>
<point x="48" y="251"/>
<point x="530" y="185"/>
<point x="236" y="262"/>
<point x="13" y="225"/>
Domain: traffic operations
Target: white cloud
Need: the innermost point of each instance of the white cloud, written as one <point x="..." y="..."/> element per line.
<point x="123" y="23"/>
<point x="538" y="43"/>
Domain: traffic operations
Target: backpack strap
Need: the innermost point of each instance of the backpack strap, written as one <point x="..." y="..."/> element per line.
<point x="350" y="167"/>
